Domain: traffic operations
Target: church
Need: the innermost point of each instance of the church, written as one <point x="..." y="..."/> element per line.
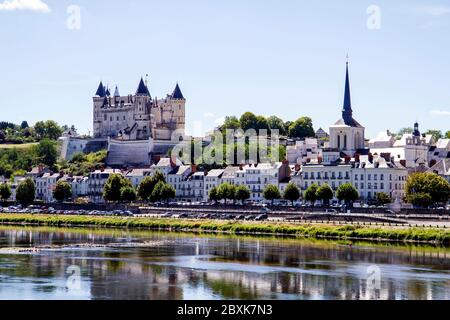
<point x="347" y="135"/>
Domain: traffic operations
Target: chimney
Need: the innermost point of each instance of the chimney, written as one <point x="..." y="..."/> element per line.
<point x="370" y="157"/>
<point x="357" y="157"/>
<point x="347" y="159"/>
<point x="297" y="167"/>
<point x="319" y="160"/>
<point x="386" y="156"/>
<point x="193" y="168"/>
<point x="173" y="161"/>
<point x="403" y="163"/>
<point x="241" y="167"/>
<point x="40" y="168"/>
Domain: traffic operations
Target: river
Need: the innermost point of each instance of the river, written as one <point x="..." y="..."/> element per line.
<point x="66" y="264"/>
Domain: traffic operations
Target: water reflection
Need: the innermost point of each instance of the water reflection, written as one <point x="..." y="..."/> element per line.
<point x="176" y="266"/>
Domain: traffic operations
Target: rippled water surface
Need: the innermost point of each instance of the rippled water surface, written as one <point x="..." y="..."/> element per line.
<point x="44" y="263"/>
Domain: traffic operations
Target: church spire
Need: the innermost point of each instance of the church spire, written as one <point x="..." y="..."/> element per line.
<point x="347" y="112"/>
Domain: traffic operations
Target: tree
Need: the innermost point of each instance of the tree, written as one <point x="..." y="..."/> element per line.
<point x="402" y="131"/>
<point x="383" y="198"/>
<point x="242" y="193"/>
<point x="214" y="194"/>
<point x="261" y="123"/>
<point x="431" y="184"/>
<point x="324" y="193"/>
<point x="47" y="130"/>
<point x="347" y="193"/>
<point x="248" y="121"/>
<point x="302" y="128"/>
<point x="128" y="194"/>
<point x="437" y="134"/>
<point x="167" y="192"/>
<point x="226" y="191"/>
<point x="157" y="192"/>
<point x="291" y="193"/>
<point x="25" y="192"/>
<point x="113" y="187"/>
<point x="24" y="125"/>
<point x="447" y="135"/>
<point x="231" y="123"/>
<point x="62" y="192"/>
<point x="276" y="123"/>
<point x="271" y="193"/>
<point x="147" y="185"/>
<point x="5" y="192"/>
<point x="311" y="194"/>
<point x="47" y="153"/>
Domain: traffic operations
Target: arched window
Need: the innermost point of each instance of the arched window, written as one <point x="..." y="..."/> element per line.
<point x="339" y="141"/>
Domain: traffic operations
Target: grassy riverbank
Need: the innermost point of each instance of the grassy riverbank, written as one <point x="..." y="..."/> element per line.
<point x="307" y="230"/>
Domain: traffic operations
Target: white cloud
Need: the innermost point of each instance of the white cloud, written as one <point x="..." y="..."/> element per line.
<point x="33" y="5"/>
<point x="208" y="115"/>
<point x="440" y="113"/>
<point x="433" y="10"/>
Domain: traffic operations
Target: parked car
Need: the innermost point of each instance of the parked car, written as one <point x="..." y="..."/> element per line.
<point x="262" y="217"/>
<point x="249" y="218"/>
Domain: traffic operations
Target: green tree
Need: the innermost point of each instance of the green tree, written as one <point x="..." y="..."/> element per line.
<point x="63" y="191"/>
<point x="447" y="135"/>
<point x="47" y="153"/>
<point x="271" y="193"/>
<point x="431" y="184"/>
<point x="402" y="131"/>
<point x="226" y="191"/>
<point x="383" y="198"/>
<point x="24" y="125"/>
<point x="167" y="192"/>
<point x="437" y="134"/>
<point x="420" y="199"/>
<point x="276" y="123"/>
<point x="242" y="194"/>
<point x="147" y="185"/>
<point x="128" y="194"/>
<point x="47" y="130"/>
<point x="291" y="193"/>
<point x="302" y="128"/>
<point x="231" y="123"/>
<point x="311" y="194"/>
<point x="214" y="194"/>
<point x="347" y="193"/>
<point x="5" y="192"/>
<point x="248" y="121"/>
<point x="324" y="193"/>
<point x="113" y="187"/>
<point x="261" y="123"/>
<point x="25" y="192"/>
<point x="157" y="192"/>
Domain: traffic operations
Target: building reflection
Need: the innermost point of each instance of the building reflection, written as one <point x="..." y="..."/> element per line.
<point x="225" y="268"/>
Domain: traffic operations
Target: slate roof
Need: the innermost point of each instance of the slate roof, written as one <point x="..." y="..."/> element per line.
<point x="177" y="93"/>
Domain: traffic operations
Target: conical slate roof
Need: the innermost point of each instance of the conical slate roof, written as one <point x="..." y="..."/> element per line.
<point x="101" y="90"/>
<point x="116" y="92"/>
<point x="177" y="93"/>
<point x="142" y="89"/>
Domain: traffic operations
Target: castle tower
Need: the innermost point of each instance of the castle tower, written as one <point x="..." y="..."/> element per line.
<point x="347" y="135"/>
<point x="143" y="105"/>
<point x="179" y="108"/>
<point x="98" y="101"/>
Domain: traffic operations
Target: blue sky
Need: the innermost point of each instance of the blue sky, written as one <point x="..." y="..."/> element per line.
<point x="285" y="58"/>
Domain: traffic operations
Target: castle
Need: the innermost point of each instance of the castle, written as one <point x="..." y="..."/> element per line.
<point x="139" y="116"/>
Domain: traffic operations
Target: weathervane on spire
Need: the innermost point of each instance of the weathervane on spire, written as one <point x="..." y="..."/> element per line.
<point x="347" y="58"/>
<point x="146" y="80"/>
